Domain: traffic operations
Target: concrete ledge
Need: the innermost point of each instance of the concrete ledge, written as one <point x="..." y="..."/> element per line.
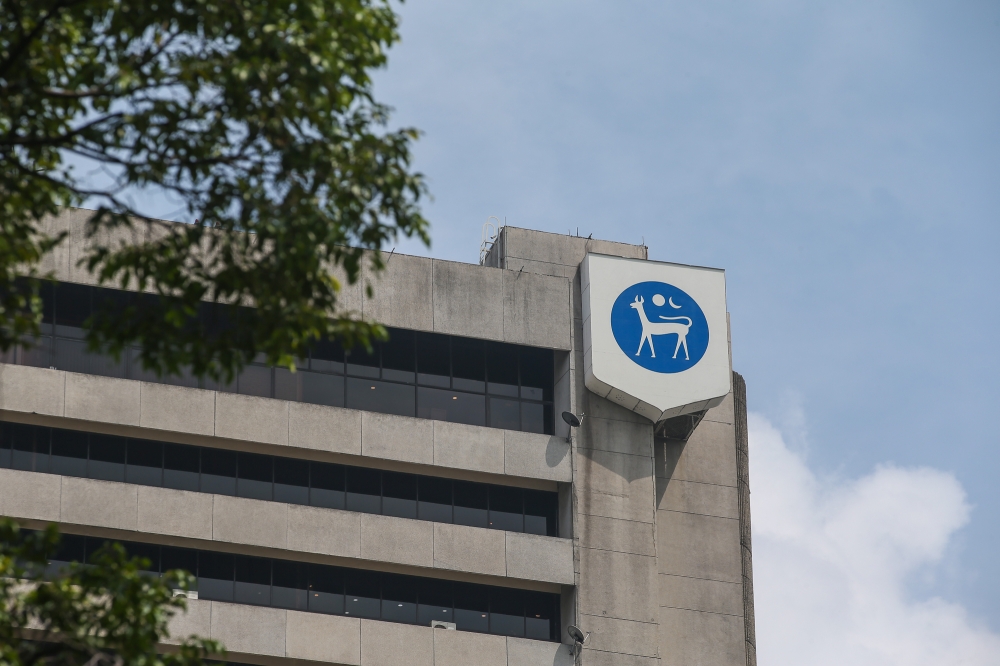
<point x="284" y="530"/>
<point x="104" y="399"/>
<point x="537" y="456"/>
<point x="32" y="390"/>
<point x="177" y="409"/>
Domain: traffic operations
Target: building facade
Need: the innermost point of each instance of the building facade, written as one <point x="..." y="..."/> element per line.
<point x="421" y="505"/>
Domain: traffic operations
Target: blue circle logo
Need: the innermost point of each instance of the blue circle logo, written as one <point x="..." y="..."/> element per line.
<point x="659" y="327"/>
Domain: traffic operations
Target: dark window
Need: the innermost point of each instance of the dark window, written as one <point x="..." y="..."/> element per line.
<point x="255" y="380"/>
<point x="363" y="595"/>
<point x="253" y="581"/>
<point x="107" y="458"/>
<point x="541" y="512"/>
<point x="364" y="490"/>
<point x="215" y="576"/>
<point x="399" y="495"/>
<point x="434" y="499"/>
<point x="322" y="389"/>
<point x="506" y="508"/>
<point x="256" y="476"/>
<point x="537" y="366"/>
<point x="4" y="446"/>
<point x="218" y="471"/>
<point x="180" y="467"/>
<point x="454" y="406"/>
<point x="72" y="308"/>
<point x="326" y="590"/>
<point x="69" y="453"/>
<point x="147" y="552"/>
<point x="434" y="601"/>
<point x="468" y="365"/>
<point x="362" y="363"/>
<point x="290" y="585"/>
<point x="22" y="439"/>
<point x="399" y="356"/>
<point x="179" y="558"/>
<point x="539" y="617"/>
<point x="291" y="481"/>
<point x="533" y="417"/>
<point x="472" y="607"/>
<point x="399" y="599"/>
<point x="433" y="360"/>
<point x="145" y="462"/>
<point x="384" y="397"/>
<point x="327" y="356"/>
<point x="505" y="414"/>
<point x="327" y="483"/>
<point x="501" y="369"/>
<point x="471" y="504"/>
<point x="506" y="612"/>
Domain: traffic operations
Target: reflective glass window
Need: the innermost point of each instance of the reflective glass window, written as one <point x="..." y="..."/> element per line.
<point x="434" y="601"/>
<point x="399" y="495"/>
<point x="384" y="397"/>
<point x="533" y="417"/>
<point x="291" y="481"/>
<point x="107" y="457"/>
<point x="399" y="356"/>
<point x="256" y="476"/>
<point x="327" y="356"/>
<point x="71" y="355"/>
<point x="253" y="581"/>
<point x="468" y="365"/>
<point x="178" y="558"/>
<point x="180" y="467"/>
<point x="363" y="595"/>
<point x="537" y="366"/>
<point x="144" y="462"/>
<point x="453" y="406"/>
<point x="399" y="599"/>
<point x="215" y="576"/>
<point x="472" y="607"/>
<point x="433" y="360"/>
<point x="501" y="369"/>
<point x="363" y="363"/>
<point x="505" y="414"/>
<point x="255" y="380"/>
<point x="218" y="471"/>
<point x="364" y="490"/>
<point x="72" y="308"/>
<point x="22" y="441"/>
<point x="290" y="585"/>
<point x="326" y="590"/>
<point x="506" y="508"/>
<point x="541" y="510"/>
<point x="69" y="453"/>
<point x="506" y="612"/>
<point x="327" y="485"/>
<point x="539" y="617"/>
<point x="434" y="499"/>
<point x="4" y="446"/>
<point x="145" y="551"/>
<point x="471" y="504"/>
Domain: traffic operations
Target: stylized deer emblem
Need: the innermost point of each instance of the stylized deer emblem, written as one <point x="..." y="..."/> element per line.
<point x="649" y="329"/>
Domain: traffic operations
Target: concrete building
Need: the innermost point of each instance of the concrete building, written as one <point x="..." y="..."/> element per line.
<point x="332" y="515"/>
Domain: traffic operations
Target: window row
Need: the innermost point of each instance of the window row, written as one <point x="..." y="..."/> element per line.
<point x="426" y="375"/>
<point x="279" y="479"/>
<point x="339" y="591"/>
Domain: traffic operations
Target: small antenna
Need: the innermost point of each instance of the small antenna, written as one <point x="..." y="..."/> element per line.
<point x="390" y="256"/>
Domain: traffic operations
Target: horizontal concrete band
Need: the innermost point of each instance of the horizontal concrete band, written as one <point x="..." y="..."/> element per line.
<point x="416" y="293"/>
<point x="285" y="530"/>
<point x="196" y="415"/>
<point x="271" y="636"/>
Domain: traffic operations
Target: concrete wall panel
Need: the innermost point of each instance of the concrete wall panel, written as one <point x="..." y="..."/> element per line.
<point x="699" y="546"/>
<point x="708" y="457"/>
<point x="463" y="648"/>
<point x="703" y="498"/>
<point x="177" y="409"/>
<point x="325" y="638"/>
<point x="397" y="438"/>
<point x="324" y="428"/>
<point x="534" y="557"/>
<point x="175" y="512"/>
<point x="524" y="652"/>
<point x="723" y="413"/>
<point x="470" y="549"/>
<point x="249" y="521"/>
<point x="99" y="503"/>
<point x="701" y="638"/>
<point x="30" y="495"/>
<point x="387" y="644"/>
<point x="537" y="456"/>
<point x="38" y="390"/>
<point x="324" y="531"/>
<point x="536" y="310"/>
<point x="468" y="447"/>
<point x="625" y="536"/>
<point x="700" y="594"/>
<point x="617" y="436"/>
<point x="615" y="485"/>
<point x="249" y="629"/>
<point x="625" y="637"/>
<point x="388" y="539"/>
<point x="103" y="399"/>
<point x="468" y="300"/>
<point x="402" y="293"/>
<point x="196" y="620"/>
<point x="251" y="418"/>
<point x="618" y="585"/>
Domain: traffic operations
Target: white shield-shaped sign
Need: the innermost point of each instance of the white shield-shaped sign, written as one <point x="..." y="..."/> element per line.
<point x="656" y="335"/>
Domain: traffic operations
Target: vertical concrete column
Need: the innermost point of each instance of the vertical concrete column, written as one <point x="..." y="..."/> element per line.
<point x="743" y="486"/>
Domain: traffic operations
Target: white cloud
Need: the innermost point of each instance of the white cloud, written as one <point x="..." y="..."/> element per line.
<point x="832" y="559"/>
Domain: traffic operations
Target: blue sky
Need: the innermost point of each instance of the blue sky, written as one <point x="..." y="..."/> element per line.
<point x="840" y="160"/>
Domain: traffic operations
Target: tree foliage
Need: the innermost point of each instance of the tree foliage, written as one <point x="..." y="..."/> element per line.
<point x="107" y="612"/>
<point x="257" y="116"/>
